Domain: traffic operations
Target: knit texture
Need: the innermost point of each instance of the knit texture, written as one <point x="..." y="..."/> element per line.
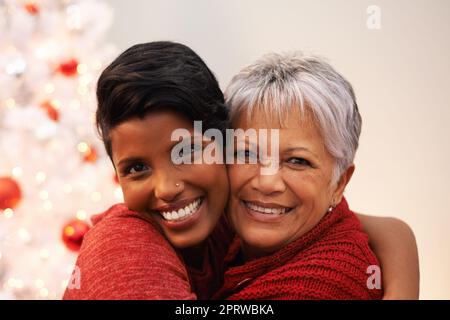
<point x="125" y="256"/>
<point x="209" y="278"/>
<point x="328" y="262"/>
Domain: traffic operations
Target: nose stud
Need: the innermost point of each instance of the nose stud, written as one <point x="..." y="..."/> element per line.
<point x="177" y="185"/>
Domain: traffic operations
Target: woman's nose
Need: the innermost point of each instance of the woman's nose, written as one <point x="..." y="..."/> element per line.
<point x="168" y="187"/>
<point x="269" y="184"/>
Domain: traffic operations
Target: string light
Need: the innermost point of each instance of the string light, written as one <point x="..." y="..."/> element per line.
<point x="10" y="103"/>
<point x="44" y="254"/>
<point x="83" y="147"/>
<point x="86" y="79"/>
<point x="81" y="215"/>
<point x="89" y="152"/>
<point x="97" y="65"/>
<point x="49" y="88"/>
<point x="11" y="282"/>
<point x="82" y="90"/>
<point x="41" y="177"/>
<point x="24" y="234"/>
<point x="43" y="292"/>
<point x="82" y="68"/>
<point x="16" y="67"/>
<point x="17" y="172"/>
<point x="8" y="213"/>
<point x="56" y="104"/>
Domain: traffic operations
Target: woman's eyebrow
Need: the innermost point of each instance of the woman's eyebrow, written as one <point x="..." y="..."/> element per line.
<point x="293" y="149"/>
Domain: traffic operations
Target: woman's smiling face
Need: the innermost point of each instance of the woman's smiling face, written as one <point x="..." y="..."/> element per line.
<point x="270" y="211"/>
<point x="185" y="200"/>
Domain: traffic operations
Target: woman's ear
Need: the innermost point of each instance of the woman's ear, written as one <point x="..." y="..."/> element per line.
<point x="342" y="183"/>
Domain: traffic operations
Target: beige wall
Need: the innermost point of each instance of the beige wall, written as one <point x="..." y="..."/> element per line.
<point x="401" y="75"/>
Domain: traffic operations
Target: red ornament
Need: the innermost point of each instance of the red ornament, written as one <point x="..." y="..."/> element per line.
<point x="90" y="155"/>
<point x="10" y="194"/>
<point x="68" y="68"/>
<point x="51" y="110"/>
<point x="73" y="234"/>
<point x="31" y="8"/>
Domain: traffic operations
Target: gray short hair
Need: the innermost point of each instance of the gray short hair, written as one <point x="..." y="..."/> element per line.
<point x="277" y="83"/>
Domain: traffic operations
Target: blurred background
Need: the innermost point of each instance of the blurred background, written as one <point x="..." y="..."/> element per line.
<point x="54" y="173"/>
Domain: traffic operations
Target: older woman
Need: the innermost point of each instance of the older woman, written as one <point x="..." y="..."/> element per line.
<point x="297" y="237"/>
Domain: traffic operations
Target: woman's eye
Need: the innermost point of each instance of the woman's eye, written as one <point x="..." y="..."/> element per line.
<point x="246" y="155"/>
<point x="193" y="148"/>
<point x="299" y="162"/>
<point x="136" y="168"/>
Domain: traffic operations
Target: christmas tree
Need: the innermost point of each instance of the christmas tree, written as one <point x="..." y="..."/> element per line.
<point x="54" y="173"/>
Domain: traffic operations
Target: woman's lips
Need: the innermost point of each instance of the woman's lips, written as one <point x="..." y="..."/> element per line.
<point x="265" y="212"/>
<point x="185" y="216"/>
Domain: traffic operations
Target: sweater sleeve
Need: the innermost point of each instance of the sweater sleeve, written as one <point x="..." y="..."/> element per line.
<point x="126" y="257"/>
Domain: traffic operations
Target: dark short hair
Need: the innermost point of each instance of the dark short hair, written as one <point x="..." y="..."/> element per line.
<point x="157" y="76"/>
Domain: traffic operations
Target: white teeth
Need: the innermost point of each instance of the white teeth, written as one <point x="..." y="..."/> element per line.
<point x="254" y="207"/>
<point x="167" y="215"/>
<point x="182" y="213"/>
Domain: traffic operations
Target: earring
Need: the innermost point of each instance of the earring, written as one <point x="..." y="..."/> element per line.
<point x="332" y="206"/>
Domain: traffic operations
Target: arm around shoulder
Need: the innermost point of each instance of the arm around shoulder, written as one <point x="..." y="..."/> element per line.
<point x="394" y="243"/>
<point x="126" y="257"/>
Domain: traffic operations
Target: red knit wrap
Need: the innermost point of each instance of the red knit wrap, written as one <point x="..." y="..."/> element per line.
<point x="328" y="262"/>
<point x="126" y="257"/>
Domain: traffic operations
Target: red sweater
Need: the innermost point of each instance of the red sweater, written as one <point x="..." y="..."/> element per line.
<point x="328" y="262"/>
<point x="126" y="257"/>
